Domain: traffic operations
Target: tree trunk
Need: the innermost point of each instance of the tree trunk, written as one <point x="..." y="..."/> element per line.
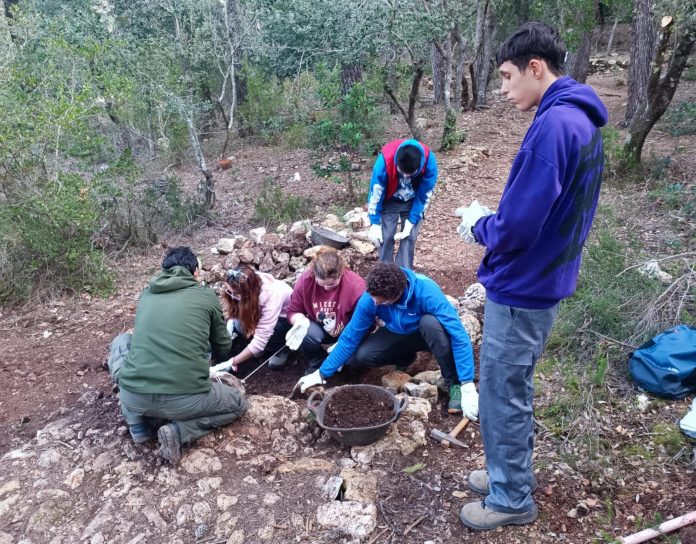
<point x="579" y="60"/>
<point x="465" y="91"/>
<point x="610" y="42"/>
<point x="207" y="186"/>
<point x="662" y="83"/>
<point x="642" y="47"/>
<point x="350" y="75"/>
<point x="449" y="131"/>
<point x="410" y="115"/>
<point x="483" y="47"/>
<point x="438" y="74"/>
<point x="459" y="80"/>
<point x="231" y="17"/>
<point x="6" y="44"/>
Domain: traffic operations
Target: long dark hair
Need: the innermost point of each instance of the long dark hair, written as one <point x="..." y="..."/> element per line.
<point x="247" y="310"/>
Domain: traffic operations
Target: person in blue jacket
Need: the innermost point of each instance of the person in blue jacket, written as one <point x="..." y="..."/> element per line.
<point x="401" y="187"/>
<point x="417" y="317"/>
<point x="533" y="246"/>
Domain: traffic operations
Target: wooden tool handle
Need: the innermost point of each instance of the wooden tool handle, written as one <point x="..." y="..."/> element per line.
<point x="458" y="429"/>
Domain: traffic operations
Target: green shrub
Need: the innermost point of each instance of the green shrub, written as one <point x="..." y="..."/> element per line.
<point x="274" y="206"/>
<point x="613" y="151"/>
<point x="608" y="302"/>
<point x="680" y="119"/>
<point x="676" y="197"/>
<point x="46" y="241"/>
<point x="259" y="113"/>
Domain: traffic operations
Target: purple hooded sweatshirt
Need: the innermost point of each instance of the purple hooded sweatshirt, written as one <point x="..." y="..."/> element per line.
<point x="534" y="241"/>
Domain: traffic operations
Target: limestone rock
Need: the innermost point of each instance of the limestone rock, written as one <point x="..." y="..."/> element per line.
<point x="201" y="461"/>
<point x="474" y="298"/>
<point x="364" y="248"/>
<point x="395" y="379"/>
<point x="332" y="222"/>
<point x="228" y="245"/>
<point x="472" y="325"/>
<point x="351" y="517"/>
<point x="359" y="485"/>
<point x="423" y="390"/>
<point x="298" y="263"/>
<point x="257" y="234"/>
<point x="306" y="464"/>
<point x="428" y="376"/>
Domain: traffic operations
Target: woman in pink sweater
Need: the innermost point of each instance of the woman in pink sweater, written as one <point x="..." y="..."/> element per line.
<point x="322" y="303"/>
<point x="257" y="306"/>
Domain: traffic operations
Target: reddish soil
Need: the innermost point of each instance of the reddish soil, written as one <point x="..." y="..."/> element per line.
<point x="349" y="408"/>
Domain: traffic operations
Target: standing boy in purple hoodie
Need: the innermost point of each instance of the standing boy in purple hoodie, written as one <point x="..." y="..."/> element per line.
<point x="533" y="247"/>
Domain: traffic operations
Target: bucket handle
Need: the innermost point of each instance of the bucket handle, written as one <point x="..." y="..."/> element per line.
<point x="400" y="409"/>
<point x="313" y="403"/>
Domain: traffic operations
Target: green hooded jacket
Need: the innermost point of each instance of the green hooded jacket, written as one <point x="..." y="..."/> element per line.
<point x="177" y="322"/>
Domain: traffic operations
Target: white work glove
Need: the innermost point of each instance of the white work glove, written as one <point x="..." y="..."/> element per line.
<point x="294" y="337"/>
<point x="331" y="347"/>
<point x="406" y="232"/>
<point x="469" y="217"/>
<point x="470" y="401"/>
<point x="224" y="367"/>
<point x="375" y="235"/>
<point x="310" y="380"/>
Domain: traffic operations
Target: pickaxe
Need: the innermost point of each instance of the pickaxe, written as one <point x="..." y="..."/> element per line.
<point x="451" y="438"/>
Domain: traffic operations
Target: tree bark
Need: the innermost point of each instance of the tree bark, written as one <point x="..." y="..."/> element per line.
<point x="483" y="49"/>
<point x="350" y="75"/>
<point x="579" y="60"/>
<point x="460" y="61"/>
<point x="465" y="91"/>
<point x="610" y="42"/>
<point x="410" y="115"/>
<point x="642" y="48"/>
<point x="6" y="43"/>
<point x="662" y="84"/>
<point x="438" y="74"/>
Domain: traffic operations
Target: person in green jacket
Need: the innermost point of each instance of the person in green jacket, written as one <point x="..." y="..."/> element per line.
<point x="163" y="370"/>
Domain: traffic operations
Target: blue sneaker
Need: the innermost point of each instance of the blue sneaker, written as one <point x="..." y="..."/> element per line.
<point x="141" y="432"/>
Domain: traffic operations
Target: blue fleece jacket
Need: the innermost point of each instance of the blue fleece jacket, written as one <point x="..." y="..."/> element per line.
<point x="534" y="241"/>
<point x="423" y="184"/>
<point x="422" y="296"/>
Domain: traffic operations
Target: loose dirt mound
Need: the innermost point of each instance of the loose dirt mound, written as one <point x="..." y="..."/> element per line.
<point x="349" y="408"/>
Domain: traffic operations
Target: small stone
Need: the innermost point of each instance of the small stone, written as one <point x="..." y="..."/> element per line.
<point x="395" y="379"/>
<point x="332" y="488"/>
<point x="572" y="513"/>
<point x="421" y="390"/>
<point x="364" y="248"/>
<point x="257" y="234"/>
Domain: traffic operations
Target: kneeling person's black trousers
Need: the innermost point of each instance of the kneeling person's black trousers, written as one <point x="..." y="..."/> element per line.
<point x="388" y="348"/>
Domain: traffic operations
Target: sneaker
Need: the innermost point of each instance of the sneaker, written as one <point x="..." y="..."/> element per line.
<point x="455" y="399"/>
<point x="476" y="515"/>
<point x="279" y="360"/>
<point x="478" y="482"/>
<point x="170" y="443"/>
<point x="141" y="432"/>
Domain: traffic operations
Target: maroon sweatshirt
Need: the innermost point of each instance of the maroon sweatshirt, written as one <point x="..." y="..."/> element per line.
<point x="331" y="309"/>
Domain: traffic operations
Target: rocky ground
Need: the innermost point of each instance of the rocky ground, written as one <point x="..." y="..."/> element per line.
<point x="70" y="473"/>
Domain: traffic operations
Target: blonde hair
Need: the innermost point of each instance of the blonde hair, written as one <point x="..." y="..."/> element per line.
<point x="327" y="263"/>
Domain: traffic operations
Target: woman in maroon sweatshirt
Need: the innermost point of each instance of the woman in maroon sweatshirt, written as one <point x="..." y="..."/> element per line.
<point x="321" y="305"/>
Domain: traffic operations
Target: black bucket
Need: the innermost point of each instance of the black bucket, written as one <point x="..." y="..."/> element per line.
<point x="358" y="436"/>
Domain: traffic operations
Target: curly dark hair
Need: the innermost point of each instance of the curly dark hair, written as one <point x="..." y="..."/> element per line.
<point x="386" y="280"/>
